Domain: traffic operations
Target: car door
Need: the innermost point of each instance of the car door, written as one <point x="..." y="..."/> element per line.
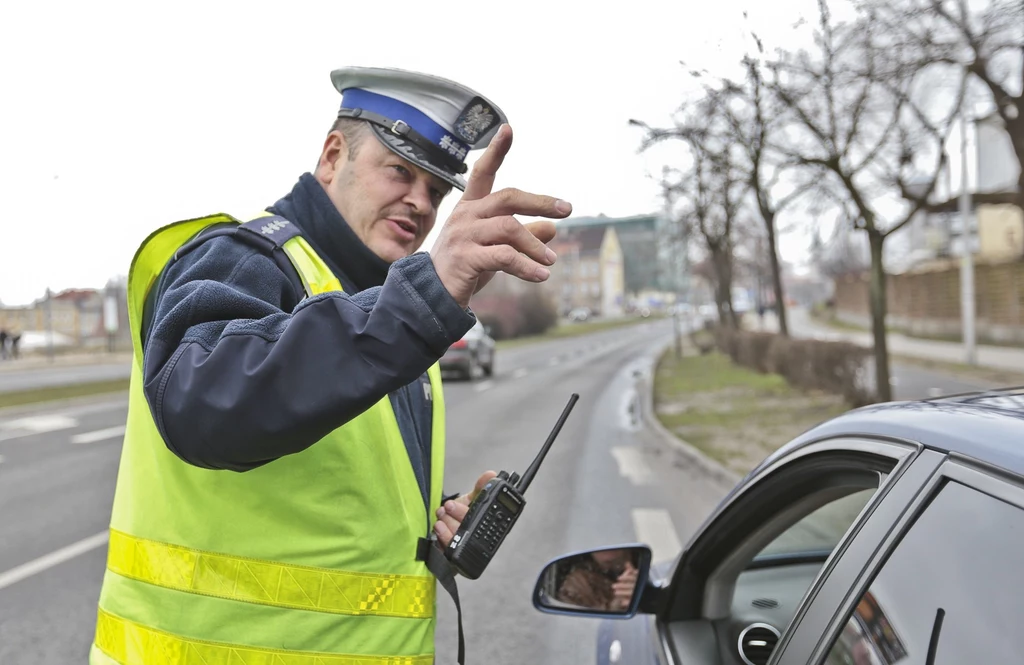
<point x="943" y="587"/>
<point x="773" y="542"/>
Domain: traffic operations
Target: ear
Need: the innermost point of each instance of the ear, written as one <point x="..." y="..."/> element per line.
<point x="334" y="153"/>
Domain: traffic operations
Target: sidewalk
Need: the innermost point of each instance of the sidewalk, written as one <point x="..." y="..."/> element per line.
<point x="40" y="360"/>
<point x="801" y="324"/>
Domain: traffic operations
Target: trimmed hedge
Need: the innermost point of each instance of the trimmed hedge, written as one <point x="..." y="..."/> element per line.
<point x="840" y="368"/>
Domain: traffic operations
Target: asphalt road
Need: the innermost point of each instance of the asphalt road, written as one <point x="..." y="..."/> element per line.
<point x="47" y="377"/>
<point x="604" y="482"/>
<point x="608" y="479"/>
<point x="913" y="382"/>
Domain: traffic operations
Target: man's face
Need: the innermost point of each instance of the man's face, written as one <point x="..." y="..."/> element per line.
<point x="389" y="203"/>
<point x="611" y="559"/>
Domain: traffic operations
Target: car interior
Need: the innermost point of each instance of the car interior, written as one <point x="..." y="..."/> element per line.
<point x="737" y="590"/>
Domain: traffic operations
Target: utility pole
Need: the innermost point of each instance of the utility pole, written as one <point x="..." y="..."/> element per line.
<point x="49" y="324"/>
<point x="667" y="234"/>
<point x="967" y="260"/>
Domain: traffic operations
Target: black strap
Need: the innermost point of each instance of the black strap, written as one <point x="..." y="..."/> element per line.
<point x="269" y="234"/>
<point x="273" y="229"/>
<point x="400" y="128"/>
<point x="430" y="551"/>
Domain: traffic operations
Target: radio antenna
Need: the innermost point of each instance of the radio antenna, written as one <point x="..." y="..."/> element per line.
<point x="528" y="475"/>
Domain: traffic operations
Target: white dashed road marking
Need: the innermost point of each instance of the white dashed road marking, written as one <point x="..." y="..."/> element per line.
<point x="98" y="435"/>
<point x="47" y="561"/>
<point x="654" y="527"/>
<point x="632" y="465"/>
<point x="32" y="425"/>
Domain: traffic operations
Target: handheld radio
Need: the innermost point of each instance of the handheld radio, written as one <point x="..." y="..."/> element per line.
<point x="494" y="512"/>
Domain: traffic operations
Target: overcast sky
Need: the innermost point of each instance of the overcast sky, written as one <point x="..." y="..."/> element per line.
<point x="121" y="117"/>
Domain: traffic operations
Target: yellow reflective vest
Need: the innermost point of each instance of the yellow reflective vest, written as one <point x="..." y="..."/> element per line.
<point x="307" y="560"/>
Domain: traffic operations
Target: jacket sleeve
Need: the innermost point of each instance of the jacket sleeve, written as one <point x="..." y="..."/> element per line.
<point x="236" y="376"/>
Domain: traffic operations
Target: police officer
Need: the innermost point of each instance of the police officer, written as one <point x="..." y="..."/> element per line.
<point x="284" y="450"/>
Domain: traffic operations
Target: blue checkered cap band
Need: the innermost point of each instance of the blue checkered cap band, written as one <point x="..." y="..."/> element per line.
<point x="400" y="112"/>
<point x="468" y="117"/>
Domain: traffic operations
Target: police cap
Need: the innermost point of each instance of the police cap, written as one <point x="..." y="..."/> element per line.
<point x="427" y="120"/>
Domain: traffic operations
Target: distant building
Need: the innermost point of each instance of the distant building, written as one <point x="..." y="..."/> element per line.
<point x="637" y="235"/>
<point x="998" y="225"/>
<point x="590" y="271"/>
<point x="652" y="270"/>
<point x="76" y="317"/>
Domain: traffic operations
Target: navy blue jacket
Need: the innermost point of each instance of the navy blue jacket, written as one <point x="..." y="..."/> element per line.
<point x="240" y="370"/>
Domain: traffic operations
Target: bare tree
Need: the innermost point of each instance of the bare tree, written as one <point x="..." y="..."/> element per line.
<point x="755" y="121"/>
<point x="747" y="117"/>
<point x="861" y="124"/>
<point x="988" y="41"/>
<point x="712" y="190"/>
<point x="838" y="257"/>
<point x="719" y="190"/>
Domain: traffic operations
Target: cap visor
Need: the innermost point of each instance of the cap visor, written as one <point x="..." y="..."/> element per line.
<point x="417" y="156"/>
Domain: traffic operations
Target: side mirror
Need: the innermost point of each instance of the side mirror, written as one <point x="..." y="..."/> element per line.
<point x="489" y="331"/>
<point x="605" y="582"/>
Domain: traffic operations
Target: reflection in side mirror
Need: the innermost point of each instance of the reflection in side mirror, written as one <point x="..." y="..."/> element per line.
<point x="605" y="582"/>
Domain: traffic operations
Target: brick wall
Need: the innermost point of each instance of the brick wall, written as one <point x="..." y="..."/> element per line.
<point x="927" y="302"/>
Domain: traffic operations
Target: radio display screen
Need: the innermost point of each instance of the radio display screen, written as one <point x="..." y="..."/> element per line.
<point x="505" y="500"/>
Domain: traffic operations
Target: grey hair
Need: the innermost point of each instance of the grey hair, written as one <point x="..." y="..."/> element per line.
<point x="354" y="131"/>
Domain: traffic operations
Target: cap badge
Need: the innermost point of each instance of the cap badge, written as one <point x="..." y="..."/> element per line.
<point x="475" y="120"/>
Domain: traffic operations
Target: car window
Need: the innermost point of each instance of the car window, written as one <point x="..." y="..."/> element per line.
<point x="821" y="530"/>
<point x="961" y="561"/>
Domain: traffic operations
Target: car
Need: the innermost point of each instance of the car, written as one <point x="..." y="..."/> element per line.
<point x="890" y="534"/>
<point x="580" y="314"/>
<point x="472" y="356"/>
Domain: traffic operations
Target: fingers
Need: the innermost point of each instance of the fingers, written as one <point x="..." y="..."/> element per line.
<point x="508" y="231"/>
<point x="508" y="260"/>
<point x="481" y="180"/>
<point x="444" y="533"/>
<point x="511" y="201"/>
<point x="542" y="230"/>
<point x="622" y="597"/>
<point x="449" y="519"/>
<point x="451" y="514"/>
<point x="482" y="481"/>
<point x="451" y="522"/>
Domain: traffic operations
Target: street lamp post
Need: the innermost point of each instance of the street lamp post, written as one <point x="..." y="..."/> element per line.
<point x="49" y="324"/>
<point x="967" y="260"/>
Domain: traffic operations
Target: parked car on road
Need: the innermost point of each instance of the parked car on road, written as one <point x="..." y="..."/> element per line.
<point x="580" y="314"/>
<point x="472" y="356"/>
<point x="889" y="535"/>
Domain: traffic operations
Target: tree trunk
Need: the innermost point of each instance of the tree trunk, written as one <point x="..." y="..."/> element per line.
<point x="722" y="261"/>
<point x="780" y="301"/>
<point x="1015" y="128"/>
<point x="878" y="311"/>
<point x="721" y="299"/>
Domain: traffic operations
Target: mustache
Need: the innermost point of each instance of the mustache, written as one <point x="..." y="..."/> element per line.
<point x="404" y="212"/>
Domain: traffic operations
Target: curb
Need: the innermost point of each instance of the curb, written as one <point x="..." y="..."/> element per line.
<point x="695" y="457"/>
<point x="18" y="410"/>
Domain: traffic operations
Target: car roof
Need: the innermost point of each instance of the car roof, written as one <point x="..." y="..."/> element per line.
<point x="987" y="426"/>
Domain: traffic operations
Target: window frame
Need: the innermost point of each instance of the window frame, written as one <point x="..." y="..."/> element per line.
<point x="689" y="593"/>
<point x="810" y="641"/>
